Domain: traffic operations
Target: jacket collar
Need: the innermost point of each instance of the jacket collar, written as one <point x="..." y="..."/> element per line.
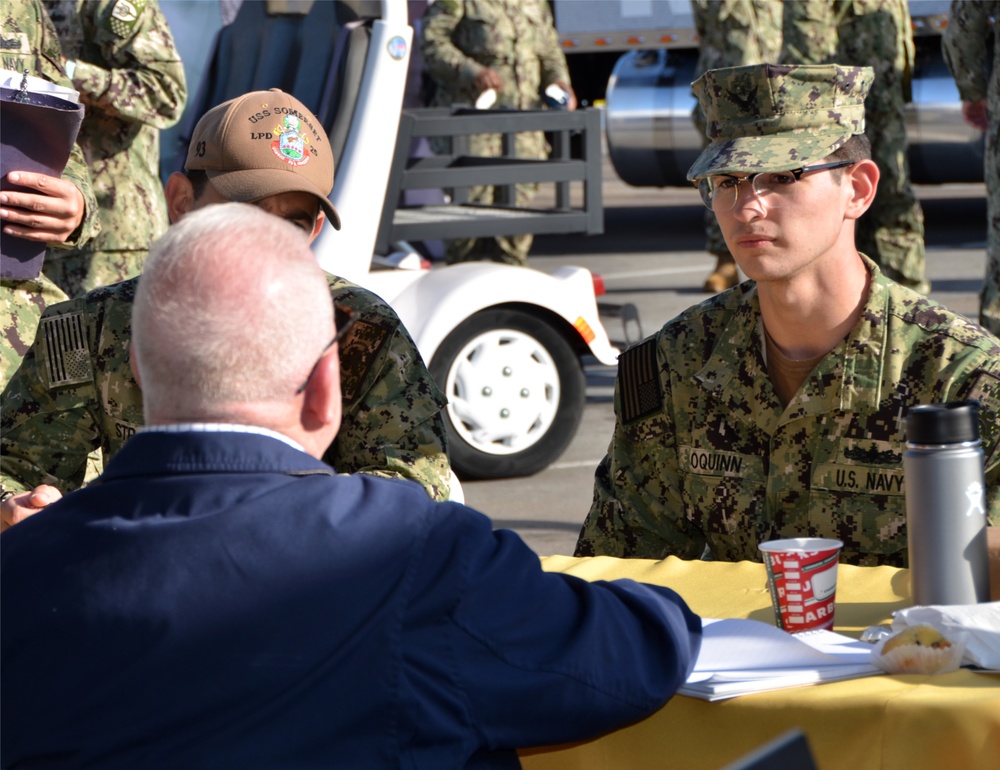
<point x="167" y="454"/>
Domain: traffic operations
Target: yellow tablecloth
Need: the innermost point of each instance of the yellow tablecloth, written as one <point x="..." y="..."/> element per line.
<point x="875" y="723"/>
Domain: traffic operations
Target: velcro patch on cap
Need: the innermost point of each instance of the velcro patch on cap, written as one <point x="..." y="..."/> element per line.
<point x="124" y="16"/>
<point x="639" y="381"/>
<point x="65" y="353"/>
<point x="358" y="351"/>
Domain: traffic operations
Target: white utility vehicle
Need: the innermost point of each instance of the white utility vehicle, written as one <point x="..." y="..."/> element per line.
<point x="506" y="344"/>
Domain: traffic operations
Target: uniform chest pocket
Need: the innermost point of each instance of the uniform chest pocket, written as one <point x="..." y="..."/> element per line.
<point x="725" y="497"/>
<point x="862" y="505"/>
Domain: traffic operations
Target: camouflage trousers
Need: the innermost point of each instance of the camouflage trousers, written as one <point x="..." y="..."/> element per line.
<point x="511" y="249"/>
<point x="77" y="272"/>
<point x="989" y="305"/>
<point x="892" y="231"/>
<point x="21" y="306"/>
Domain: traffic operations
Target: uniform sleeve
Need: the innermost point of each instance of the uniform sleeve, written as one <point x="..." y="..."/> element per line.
<point x="76" y="171"/>
<point x="809" y="31"/>
<point x="443" y="60"/>
<point x="551" y="56"/>
<point x="546" y="657"/>
<point x="393" y="424"/>
<point x="638" y="506"/>
<point x="46" y="434"/>
<point x="964" y="48"/>
<point x="144" y="80"/>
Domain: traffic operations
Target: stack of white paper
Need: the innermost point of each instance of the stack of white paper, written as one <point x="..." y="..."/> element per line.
<point x="739" y="657"/>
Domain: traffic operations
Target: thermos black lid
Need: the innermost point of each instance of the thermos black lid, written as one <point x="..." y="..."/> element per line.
<point x="951" y="423"/>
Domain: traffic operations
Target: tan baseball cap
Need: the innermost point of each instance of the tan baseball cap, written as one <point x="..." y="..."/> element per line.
<point x="770" y="117"/>
<point x="261" y="144"/>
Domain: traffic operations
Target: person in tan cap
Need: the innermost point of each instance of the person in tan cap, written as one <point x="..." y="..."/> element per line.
<point x="776" y="409"/>
<point x="75" y="391"/>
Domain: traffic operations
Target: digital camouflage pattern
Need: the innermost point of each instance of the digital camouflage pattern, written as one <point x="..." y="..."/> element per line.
<point x="517" y="39"/>
<point x="732" y="33"/>
<point x="973" y="29"/>
<point x="29" y="42"/>
<point x="879" y="34"/>
<point x="75" y="392"/>
<point x="21" y="306"/>
<point x="772" y="117"/>
<point x="704" y="456"/>
<point x="131" y="80"/>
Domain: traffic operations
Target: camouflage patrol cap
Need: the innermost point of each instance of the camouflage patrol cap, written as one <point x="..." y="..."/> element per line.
<point x="261" y="144"/>
<point x="771" y="117"/>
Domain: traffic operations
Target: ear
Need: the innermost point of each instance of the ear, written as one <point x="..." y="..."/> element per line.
<point x="322" y="406"/>
<point x="863" y="178"/>
<point x="180" y="196"/>
<point x="320" y="220"/>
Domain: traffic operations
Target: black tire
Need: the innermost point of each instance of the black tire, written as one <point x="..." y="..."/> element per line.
<point x="539" y="359"/>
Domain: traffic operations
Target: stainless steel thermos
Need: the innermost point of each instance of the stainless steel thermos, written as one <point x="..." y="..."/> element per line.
<point x="946" y="504"/>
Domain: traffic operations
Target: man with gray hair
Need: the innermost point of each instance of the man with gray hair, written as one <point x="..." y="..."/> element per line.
<point x="223" y="598"/>
<point x="75" y="392"/>
<point x="776" y="409"/>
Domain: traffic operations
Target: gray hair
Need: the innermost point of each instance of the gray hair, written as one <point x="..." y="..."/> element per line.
<point x="231" y="309"/>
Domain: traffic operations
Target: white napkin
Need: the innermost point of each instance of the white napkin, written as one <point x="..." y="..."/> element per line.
<point x="980" y="622"/>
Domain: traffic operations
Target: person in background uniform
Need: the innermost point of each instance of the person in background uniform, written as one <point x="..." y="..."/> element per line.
<point x="61" y="212"/>
<point x="973" y="28"/>
<point x="76" y="391"/>
<point x="295" y="617"/>
<point x="510" y="46"/>
<point x="121" y="58"/>
<point x="876" y="33"/>
<point x="776" y="409"/>
<point x="731" y="33"/>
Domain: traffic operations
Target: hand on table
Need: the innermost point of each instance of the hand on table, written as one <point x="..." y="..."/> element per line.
<point x="19" y="507"/>
<point x="51" y="214"/>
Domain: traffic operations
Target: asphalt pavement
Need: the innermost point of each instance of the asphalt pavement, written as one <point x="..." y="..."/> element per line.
<point x="652" y="255"/>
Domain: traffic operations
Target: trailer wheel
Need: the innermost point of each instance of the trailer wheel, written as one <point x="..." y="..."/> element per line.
<point x="515" y="392"/>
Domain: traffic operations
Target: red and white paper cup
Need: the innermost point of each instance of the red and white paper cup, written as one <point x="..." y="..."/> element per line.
<point x="802" y="575"/>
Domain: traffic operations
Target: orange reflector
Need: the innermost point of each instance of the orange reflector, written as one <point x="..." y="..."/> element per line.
<point x="599" y="290"/>
<point x="667" y="39"/>
<point x="602" y="41"/>
<point x="635" y="40"/>
<point x="584" y="328"/>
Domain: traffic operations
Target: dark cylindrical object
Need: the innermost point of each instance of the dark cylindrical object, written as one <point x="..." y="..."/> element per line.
<point x="946" y="505"/>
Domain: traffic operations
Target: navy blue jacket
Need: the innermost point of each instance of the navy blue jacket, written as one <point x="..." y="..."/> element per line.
<point x="224" y="601"/>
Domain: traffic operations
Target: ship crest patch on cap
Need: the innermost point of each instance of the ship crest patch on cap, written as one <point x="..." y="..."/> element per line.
<point x="290" y="143"/>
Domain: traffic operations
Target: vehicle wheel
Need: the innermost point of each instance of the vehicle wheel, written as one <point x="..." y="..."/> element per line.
<point x="515" y="390"/>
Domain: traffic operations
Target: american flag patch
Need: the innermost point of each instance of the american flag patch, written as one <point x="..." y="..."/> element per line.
<point x="639" y="381"/>
<point x="65" y="350"/>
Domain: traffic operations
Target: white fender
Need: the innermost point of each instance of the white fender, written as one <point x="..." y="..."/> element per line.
<point x="432" y="303"/>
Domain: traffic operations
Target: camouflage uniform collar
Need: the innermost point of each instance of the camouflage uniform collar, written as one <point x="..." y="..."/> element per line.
<point x="735" y="371"/>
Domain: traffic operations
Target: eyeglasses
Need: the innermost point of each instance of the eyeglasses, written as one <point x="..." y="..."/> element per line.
<point x="720" y="192"/>
<point x="345" y="320"/>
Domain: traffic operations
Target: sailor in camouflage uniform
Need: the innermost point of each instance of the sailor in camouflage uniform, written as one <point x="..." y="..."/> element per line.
<point x="470" y="46"/>
<point x="731" y="33"/>
<point x="29" y="42"/>
<point x="776" y="409"/>
<point x="76" y="391"/>
<point x="122" y="59"/>
<point x="973" y="29"/>
<point x="877" y="33"/>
